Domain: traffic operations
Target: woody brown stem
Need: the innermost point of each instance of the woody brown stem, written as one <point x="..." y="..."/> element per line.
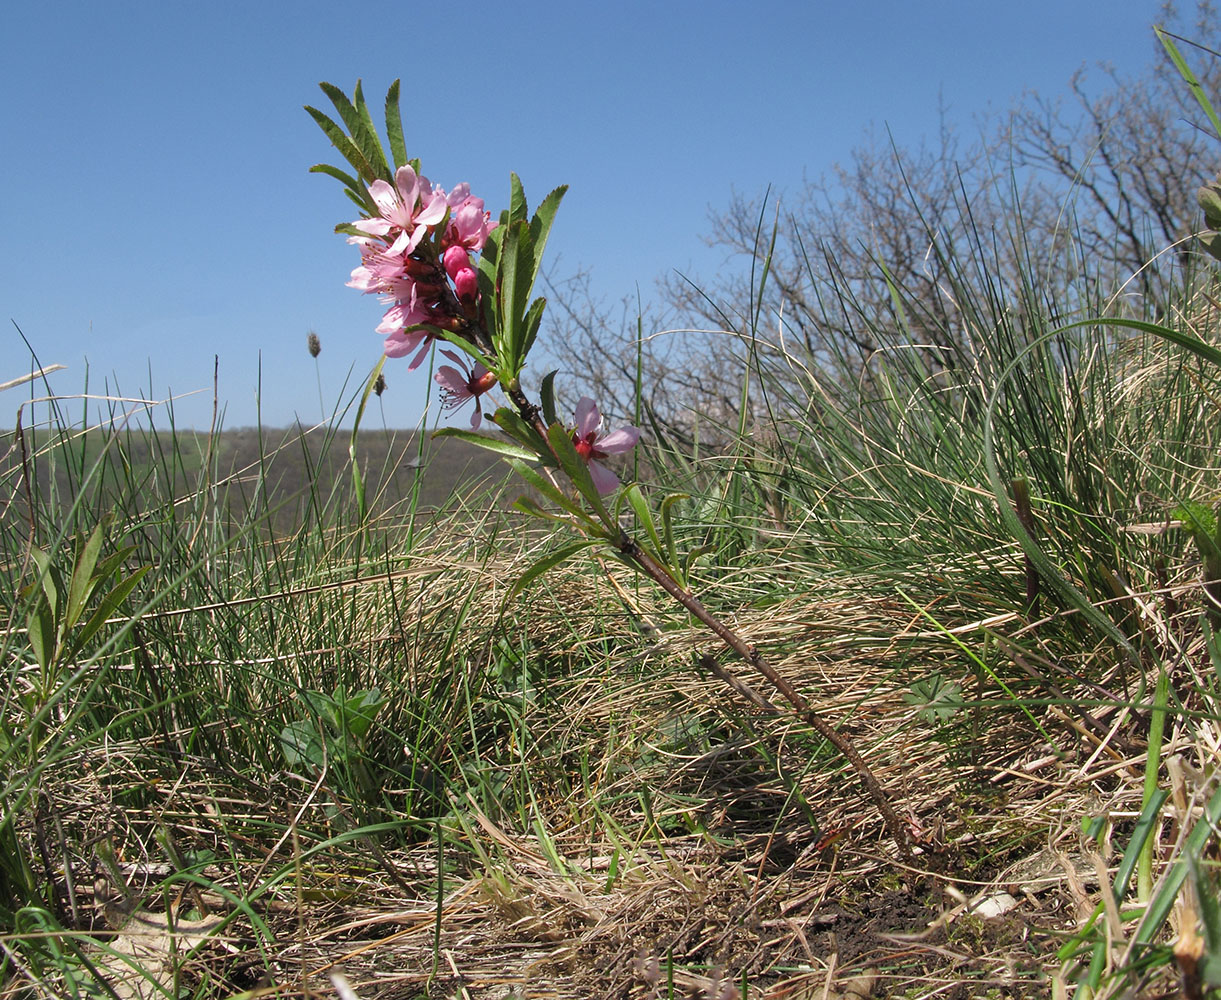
<point x="630" y="549"/>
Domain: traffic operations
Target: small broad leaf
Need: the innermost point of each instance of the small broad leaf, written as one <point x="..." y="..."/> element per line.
<point x="301" y="743"/>
<point x="358" y="712"/>
<point x="939" y="700"/>
<point x="83" y="581"/>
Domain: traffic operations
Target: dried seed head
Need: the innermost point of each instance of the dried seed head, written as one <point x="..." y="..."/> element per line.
<point x="315" y="345"/>
<point x="380" y="385"/>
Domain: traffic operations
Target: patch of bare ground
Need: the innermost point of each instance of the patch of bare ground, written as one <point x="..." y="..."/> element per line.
<point x="712" y="851"/>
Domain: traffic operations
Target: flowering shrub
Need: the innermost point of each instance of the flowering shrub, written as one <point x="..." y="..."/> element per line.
<point x="446" y="271"/>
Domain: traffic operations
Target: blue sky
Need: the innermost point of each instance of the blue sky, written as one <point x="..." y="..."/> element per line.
<point x="157" y="208"/>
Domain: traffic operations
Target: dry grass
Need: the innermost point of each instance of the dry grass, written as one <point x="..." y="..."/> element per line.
<point x="711" y="848"/>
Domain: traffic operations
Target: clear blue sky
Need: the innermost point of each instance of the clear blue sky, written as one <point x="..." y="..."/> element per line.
<point x="157" y="208"/>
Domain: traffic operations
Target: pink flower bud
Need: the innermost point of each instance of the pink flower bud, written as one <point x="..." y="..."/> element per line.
<point x="456" y="260"/>
<point x="466" y="284"/>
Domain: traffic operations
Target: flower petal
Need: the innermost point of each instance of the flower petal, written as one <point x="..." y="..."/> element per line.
<point x="588" y="417"/>
<point x="624" y="439"/>
<point x="605" y="481"/>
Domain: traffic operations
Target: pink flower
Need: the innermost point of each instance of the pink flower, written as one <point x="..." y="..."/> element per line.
<point x="407" y="209"/>
<point x="378" y="268"/>
<point x="459" y="386"/>
<point x="592" y="446"/>
<point x="469" y="225"/>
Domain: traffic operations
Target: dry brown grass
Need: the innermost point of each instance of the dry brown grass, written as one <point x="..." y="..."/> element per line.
<point x="754" y="858"/>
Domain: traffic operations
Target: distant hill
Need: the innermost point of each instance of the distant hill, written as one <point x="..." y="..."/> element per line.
<point x="165" y="465"/>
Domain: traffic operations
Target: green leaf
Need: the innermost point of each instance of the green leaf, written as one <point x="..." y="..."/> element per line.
<point x="347" y="148"/>
<point x="358" y="712"/>
<point x="549" y="562"/>
<point x="508" y="335"/>
<point x="394" y="126"/>
<point x="576" y="469"/>
<point x="548" y="489"/>
<point x="352" y="187"/>
<point x="540" y="226"/>
<point x="528" y="506"/>
<point x="500" y="446"/>
<point x="547" y="398"/>
<point x="48" y="579"/>
<point x="82" y="583"/>
<point x="1189" y="78"/>
<point x="301" y="743"/>
<point x="466" y="345"/>
<point x="667" y="526"/>
<point x="358" y="482"/>
<point x="368" y="134"/>
<point x="40" y="630"/>
<point x="517" y="200"/>
<point x="511" y="422"/>
<point x="534" y="318"/>
<point x="640" y="507"/>
<point x="106" y="609"/>
<point x="360" y="127"/>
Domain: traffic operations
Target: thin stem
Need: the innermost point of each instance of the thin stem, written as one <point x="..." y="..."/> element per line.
<point x="631" y="550"/>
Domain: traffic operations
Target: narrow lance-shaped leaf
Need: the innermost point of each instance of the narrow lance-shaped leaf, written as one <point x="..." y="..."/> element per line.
<point x="1190" y="79"/>
<point x="352" y="187"/>
<point x="460" y="341"/>
<point x="106" y="609"/>
<point x="667" y="524"/>
<point x="640" y="507"/>
<point x="368" y="133"/>
<point x="540" y="226"/>
<point x="549" y="562"/>
<point x="528" y="506"/>
<point x="517" y="200"/>
<point x="547" y="398"/>
<point x="512" y="424"/>
<point x="549" y="490"/>
<point x="347" y="148"/>
<point x="534" y="318"/>
<point x="40" y="630"/>
<point x="360" y="129"/>
<point x="394" y="126"/>
<point x="577" y="470"/>
<point x="499" y="446"/>
<point x="507" y="336"/>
